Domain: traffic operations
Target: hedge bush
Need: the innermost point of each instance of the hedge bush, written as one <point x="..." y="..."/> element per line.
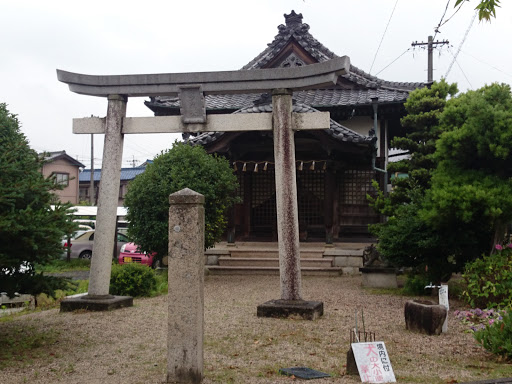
<point x="489" y="280"/>
<point x="132" y="280"/>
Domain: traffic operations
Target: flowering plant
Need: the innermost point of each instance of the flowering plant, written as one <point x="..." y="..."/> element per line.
<point x="489" y="279"/>
<point x="497" y="338"/>
<point x="477" y="319"/>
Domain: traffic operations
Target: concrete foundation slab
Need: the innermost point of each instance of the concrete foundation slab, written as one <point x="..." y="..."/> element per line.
<point x="379" y="277"/>
<point x="308" y="310"/>
<point x="95" y="304"/>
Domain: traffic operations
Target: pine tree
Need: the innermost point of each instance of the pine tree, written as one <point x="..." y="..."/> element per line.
<point x="30" y="230"/>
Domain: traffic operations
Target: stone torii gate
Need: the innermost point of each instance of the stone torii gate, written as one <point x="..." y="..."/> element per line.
<point x="191" y="88"/>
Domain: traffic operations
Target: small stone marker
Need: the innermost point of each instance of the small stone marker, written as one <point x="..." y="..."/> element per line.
<point x="373" y="362"/>
<point x="186" y="288"/>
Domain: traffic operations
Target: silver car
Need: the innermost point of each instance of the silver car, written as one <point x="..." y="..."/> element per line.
<point x="82" y="246"/>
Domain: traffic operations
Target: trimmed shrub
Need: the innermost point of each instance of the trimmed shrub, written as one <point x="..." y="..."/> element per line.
<point x="489" y="280"/>
<point x="132" y="280"/>
<point x="415" y="285"/>
<point x="497" y="337"/>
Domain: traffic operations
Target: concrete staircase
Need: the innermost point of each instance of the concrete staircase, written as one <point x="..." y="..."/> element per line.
<point x="263" y="258"/>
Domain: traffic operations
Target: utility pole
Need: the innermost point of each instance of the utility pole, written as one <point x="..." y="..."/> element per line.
<point x="430" y="47"/>
<point x="91" y="186"/>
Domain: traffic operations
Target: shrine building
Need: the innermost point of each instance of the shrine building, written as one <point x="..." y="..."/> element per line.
<point x="335" y="166"/>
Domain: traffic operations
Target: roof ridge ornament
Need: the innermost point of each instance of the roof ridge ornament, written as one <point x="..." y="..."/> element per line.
<point x="293" y="20"/>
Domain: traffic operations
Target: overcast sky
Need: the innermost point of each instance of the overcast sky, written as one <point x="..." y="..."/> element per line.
<point x="131" y="37"/>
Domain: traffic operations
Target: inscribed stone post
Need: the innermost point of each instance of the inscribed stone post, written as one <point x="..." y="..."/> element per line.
<point x="186" y="285"/>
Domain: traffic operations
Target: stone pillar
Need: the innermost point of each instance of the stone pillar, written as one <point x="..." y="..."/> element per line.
<point x="186" y="282"/>
<point x="286" y="195"/>
<point x="105" y="232"/>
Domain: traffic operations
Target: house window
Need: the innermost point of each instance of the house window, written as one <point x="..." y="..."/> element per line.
<point x="61" y="178"/>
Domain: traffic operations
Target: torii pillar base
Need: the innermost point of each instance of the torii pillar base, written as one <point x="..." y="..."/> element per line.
<point x="307" y="310"/>
<point x="94" y="303"/>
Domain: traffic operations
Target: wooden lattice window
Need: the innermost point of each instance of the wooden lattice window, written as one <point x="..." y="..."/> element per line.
<point x="263" y="198"/>
<point x="310" y="194"/>
<point x="355" y="184"/>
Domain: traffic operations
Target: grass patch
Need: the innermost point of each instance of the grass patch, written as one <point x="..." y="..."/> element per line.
<point x="64" y="266"/>
<point x="24" y="344"/>
<point x="162" y="286"/>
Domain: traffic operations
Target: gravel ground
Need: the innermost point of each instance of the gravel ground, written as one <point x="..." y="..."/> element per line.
<point x="129" y="345"/>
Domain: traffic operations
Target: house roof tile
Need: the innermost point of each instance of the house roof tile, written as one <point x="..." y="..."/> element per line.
<point x="315" y="97"/>
<point x="297" y="30"/>
<point x="365" y="86"/>
<point x="126" y="174"/>
<point x="61" y="155"/>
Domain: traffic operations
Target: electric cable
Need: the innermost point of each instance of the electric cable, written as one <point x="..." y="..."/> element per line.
<point x="483" y="62"/>
<point x="461" y="43"/>
<point x="389" y="21"/>
<point x="403" y="53"/>
<point x="458" y="65"/>
<point x="436" y="29"/>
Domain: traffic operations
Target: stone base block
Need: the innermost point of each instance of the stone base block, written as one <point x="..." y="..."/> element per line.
<point x="379" y="277"/>
<point x="89" y="303"/>
<point x="424" y="316"/>
<point x="308" y="310"/>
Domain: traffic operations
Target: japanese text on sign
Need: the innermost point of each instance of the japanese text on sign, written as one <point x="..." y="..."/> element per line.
<point x="373" y="362"/>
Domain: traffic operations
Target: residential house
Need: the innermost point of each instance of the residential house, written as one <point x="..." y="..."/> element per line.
<point x="127" y="175"/>
<point x="65" y="170"/>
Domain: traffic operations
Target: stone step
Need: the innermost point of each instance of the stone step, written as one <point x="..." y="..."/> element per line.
<point x="272" y="253"/>
<point x="305" y="271"/>
<point x="272" y="262"/>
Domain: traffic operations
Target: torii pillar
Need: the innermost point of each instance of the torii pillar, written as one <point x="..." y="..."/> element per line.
<point x="191" y="88"/>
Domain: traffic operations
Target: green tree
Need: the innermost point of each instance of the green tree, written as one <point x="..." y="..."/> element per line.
<point x="486" y="8"/>
<point x="183" y="166"/>
<point x="424" y="108"/>
<point x="468" y="201"/>
<point x="406" y="240"/>
<point x="30" y="230"/>
<point x="472" y="186"/>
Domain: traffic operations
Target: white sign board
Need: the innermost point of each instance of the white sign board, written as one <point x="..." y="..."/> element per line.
<point x="443" y="296"/>
<point x="373" y="362"/>
<point x="443" y="300"/>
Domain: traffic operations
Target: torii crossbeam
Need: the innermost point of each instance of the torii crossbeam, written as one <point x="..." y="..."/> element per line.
<point x="191" y="88"/>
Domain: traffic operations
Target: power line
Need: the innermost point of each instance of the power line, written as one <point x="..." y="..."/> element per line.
<point x="447" y="20"/>
<point x="389" y="21"/>
<point x="403" y="53"/>
<point x="490" y="65"/>
<point x="436" y="29"/>
<point x="458" y="65"/>
<point x="461" y="43"/>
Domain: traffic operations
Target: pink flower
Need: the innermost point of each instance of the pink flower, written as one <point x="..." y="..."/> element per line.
<point x="498" y="247"/>
<point x="491" y="322"/>
<point x="509" y="245"/>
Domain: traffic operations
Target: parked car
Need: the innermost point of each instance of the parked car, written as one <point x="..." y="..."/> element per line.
<point x="82" y="246"/>
<point x="68" y="241"/>
<point x="130" y="253"/>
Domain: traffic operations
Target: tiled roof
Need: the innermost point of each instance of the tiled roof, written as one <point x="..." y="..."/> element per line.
<point x="313" y="97"/>
<point x="365" y="85"/>
<point x="297" y="30"/>
<point x="337" y="131"/>
<point x="61" y="155"/>
<point x="126" y="174"/>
